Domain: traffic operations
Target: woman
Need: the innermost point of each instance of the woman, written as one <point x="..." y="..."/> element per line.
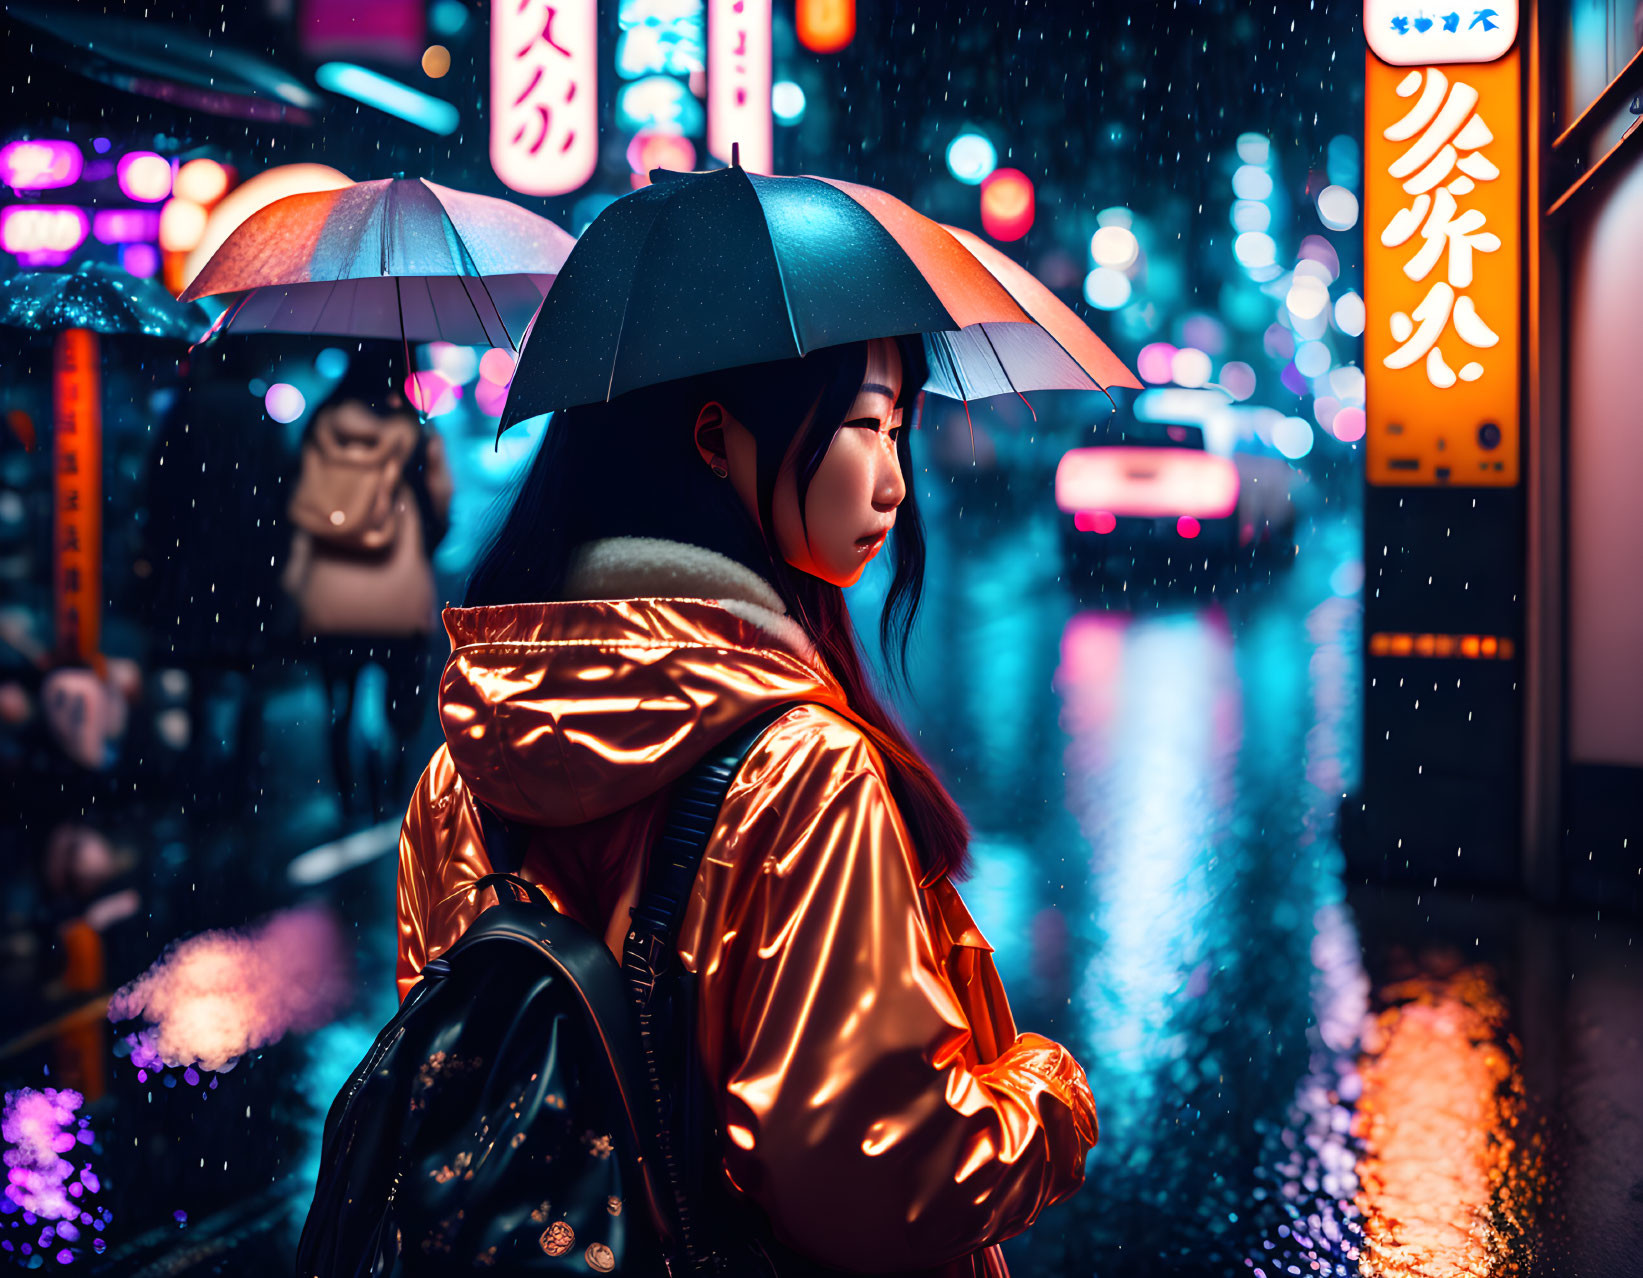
<point x="879" y="1109"/>
<point x="372" y="502"/>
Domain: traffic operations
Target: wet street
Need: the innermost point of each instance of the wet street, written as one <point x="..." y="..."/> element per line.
<point x="1296" y="1073"/>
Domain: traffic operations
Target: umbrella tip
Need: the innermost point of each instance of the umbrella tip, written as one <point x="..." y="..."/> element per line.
<point x="735" y="155"/>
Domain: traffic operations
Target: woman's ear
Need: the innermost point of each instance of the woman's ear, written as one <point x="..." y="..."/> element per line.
<point x="709" y="435"/>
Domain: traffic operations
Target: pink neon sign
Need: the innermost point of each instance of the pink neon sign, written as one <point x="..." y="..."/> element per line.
<point x="43" y="231"/>
<point x="544" y="94"/>
<point x="38" y="165"/>
<point x="125" y="226"/>
<point x="738" y="82"/>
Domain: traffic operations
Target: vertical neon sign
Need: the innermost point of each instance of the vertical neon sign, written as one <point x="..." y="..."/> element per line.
<point x="77" y="553"/>
<point x="738" y="82"/>
<point x="1442" y="236"/>
<point x="544" y="94"/>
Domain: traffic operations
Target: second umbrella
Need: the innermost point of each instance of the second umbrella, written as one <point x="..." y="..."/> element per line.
<point x="397" y="258"/>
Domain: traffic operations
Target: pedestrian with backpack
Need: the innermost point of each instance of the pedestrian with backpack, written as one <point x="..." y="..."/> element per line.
<point x="661" y="739"/>
<point x="371" y="503"/>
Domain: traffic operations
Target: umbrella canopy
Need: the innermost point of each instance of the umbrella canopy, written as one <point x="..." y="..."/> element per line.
<point x="702" y="271"/>
<point x="100" y="297"/>
<point x="396" y="258"/>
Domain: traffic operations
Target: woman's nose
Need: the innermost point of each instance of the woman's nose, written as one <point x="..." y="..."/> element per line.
<point x="891" y="487"/>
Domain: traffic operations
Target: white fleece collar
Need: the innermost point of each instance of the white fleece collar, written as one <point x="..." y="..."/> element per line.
<point x="657" y="568"/>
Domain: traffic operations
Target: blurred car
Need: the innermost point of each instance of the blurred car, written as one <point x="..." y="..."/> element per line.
<point x="1160" y="490"/>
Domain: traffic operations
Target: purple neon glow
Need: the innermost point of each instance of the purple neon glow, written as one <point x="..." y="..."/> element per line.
<point x="40" y="164"/>
<point x="125" y="226"/>
<point x="39" y="1128"/>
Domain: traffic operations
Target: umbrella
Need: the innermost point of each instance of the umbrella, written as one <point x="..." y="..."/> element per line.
<point x="76" y="306"/>
<point x="169" y="64"/>
<point x="701" y="271"/>
<point x="400" y="257"/>
<point x="100" y="297"/>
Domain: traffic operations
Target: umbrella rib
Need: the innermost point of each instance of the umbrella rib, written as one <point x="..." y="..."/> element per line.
<point x="983" y="327"/>
<point x="781" y="275"/>
<point x="483" y="326"/>
<point x="462" y="244"/>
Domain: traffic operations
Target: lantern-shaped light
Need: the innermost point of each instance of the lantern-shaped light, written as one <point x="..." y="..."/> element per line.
<point x="1007" y="204"/>
<point x="825" y="26"/>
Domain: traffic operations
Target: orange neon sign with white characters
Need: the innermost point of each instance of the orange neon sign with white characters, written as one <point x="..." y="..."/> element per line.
<point x="1442" y="235"/>
<point x="77" y="554"/>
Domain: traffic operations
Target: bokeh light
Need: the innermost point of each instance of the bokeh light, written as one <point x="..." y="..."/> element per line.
<point x="182" y="225"/>
<point x="654" y="150"/>
<point x="1106" y="289"/>
<point x="1346" y="384"/>
<point x="460" y="364"/>
<point x="825" y="26"/>
<point x="1251" y="183"/>
<point x="144" y="176"/>
<point x="284" y="402"/>
<point x="1292" y="436"/>
<point x="1007" y="204"/>
<point x="432" y="392"/>
<point x="1337" y="208"/>
<point x="787" y="101"/>
<point x="141" y="260"/>
<point x="1312" y="359"/>
<point x="1349" y="425"/>
<point x="1188" y="527"/>
<point x="1154" y="362"/>
<point x="490" y="397"/>
<point x="971" y="157"/>
<point x="1238" y="379"/>
<point x="1278" y="342"/>
<point x="1254" y="250"/>
<point x="203" y="180"/>
<point x="1190" y="367"/>
<point x="1115" y="246"/>
<point x="1254" y="148"/>
<point x="1321" y="255"/>
<point x="1095" y="521"/>
<point x="331" y="363"/>
<point x="436" y="61"/>
<point x="496" y="366"/>
<point x="1349" y="314"/>
<point x="1307" y="297"/>
<point x="1250" y="215"/>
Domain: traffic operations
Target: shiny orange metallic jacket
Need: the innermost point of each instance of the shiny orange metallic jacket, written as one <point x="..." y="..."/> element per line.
<point x="879" y="1105"/>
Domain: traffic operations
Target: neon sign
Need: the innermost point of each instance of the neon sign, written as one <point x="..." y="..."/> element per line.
<point x="738" y="82"/>
<point x="544" y="94"/>
<point x="43" y="230"/>
<point x="1402" y="34"/>
<point x="40" y="165"/>
<point x="1442" y="229"/>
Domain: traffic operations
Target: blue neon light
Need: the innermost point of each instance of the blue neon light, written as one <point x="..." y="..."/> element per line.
<point x="434" y="114"/>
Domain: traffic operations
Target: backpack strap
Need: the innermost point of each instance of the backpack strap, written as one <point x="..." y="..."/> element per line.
<point x="649" y="961"/>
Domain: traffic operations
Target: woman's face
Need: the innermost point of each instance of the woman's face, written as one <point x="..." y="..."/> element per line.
<point x="851" y="504"/>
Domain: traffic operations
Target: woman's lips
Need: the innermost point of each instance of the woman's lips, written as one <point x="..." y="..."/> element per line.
<point x="872" y="543"/>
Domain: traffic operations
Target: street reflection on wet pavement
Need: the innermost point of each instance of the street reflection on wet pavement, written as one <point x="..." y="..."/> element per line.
<point x="1294" y="1076"/>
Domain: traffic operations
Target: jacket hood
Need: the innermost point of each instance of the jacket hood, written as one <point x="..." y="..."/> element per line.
<point x="350" y="432"/>
<point x="560" y="713"/>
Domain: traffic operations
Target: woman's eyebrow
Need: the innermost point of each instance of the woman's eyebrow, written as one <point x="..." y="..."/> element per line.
<point x="873" y="388"/>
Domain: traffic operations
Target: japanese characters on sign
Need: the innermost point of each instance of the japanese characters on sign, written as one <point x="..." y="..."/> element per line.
<point x="1441" y="245"/>
<point x="544" y="94"/>
<point x="1406" y="34"/>
<point x="738" y="82"/>
<point x="77" y="550"/>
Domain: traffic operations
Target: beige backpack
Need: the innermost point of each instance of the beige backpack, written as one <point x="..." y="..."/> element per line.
<point x="352" y="467"/>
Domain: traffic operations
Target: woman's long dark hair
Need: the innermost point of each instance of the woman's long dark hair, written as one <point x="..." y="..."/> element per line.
<point x="630" y="468"/>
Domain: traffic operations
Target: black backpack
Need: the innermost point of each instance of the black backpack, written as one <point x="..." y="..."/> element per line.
<point x="533" y="1107"/>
